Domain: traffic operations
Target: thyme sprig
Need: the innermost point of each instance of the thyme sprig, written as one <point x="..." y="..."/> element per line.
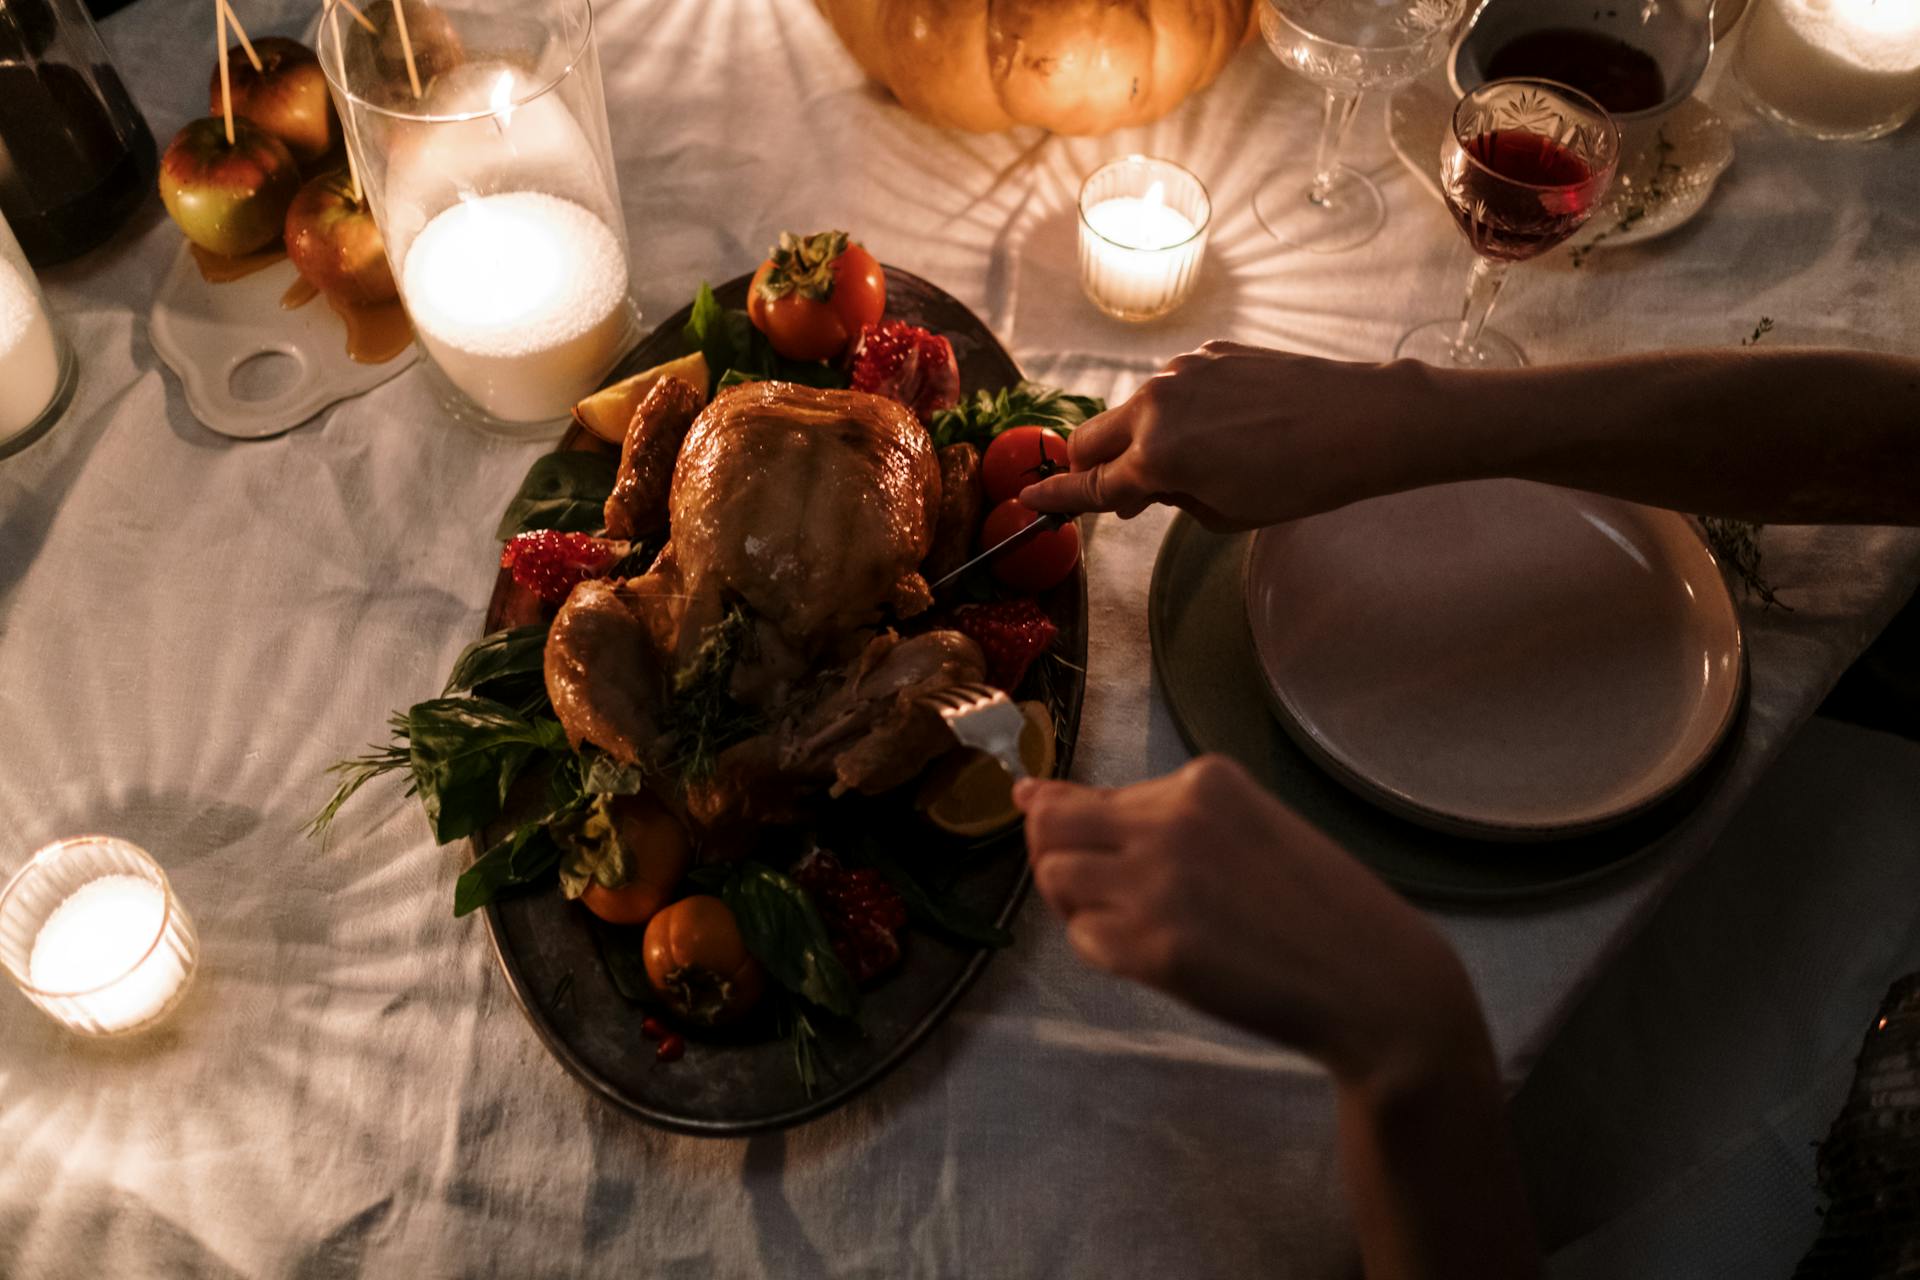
<point x="358" y="771"/>
<point x="702" y="719"/>
<point x="1654" y="195"/>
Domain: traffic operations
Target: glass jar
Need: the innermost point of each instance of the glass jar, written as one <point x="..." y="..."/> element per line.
<point x="479" y="132"/>
<point x="36" y="364"/>
<point x="1837" y="69"/>
<point x="1143" y="232"/>
<point x="76" y="158"/>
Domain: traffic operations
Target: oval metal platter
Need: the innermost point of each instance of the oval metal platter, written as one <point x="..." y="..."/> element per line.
<point x="579" y="981"/>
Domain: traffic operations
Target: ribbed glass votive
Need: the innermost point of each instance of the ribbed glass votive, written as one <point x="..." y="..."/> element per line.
<point x="1143" y="231"/>
<point x="91" y="932"/>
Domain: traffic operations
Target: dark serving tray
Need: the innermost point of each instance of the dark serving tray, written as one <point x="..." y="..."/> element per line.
<point x="567" y="971"/>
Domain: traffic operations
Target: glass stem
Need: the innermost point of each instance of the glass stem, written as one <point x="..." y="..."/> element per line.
<point x="1483" y="290"/>
<point x="1333" y="138"/>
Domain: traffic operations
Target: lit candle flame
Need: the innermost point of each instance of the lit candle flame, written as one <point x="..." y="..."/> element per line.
<point x="1157" y="194"/>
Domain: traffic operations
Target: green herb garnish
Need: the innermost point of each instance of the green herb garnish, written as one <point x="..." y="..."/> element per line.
<point x="987" y="414"/>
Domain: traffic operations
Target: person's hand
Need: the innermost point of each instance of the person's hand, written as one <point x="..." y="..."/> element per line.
<point x="1241" y="437"/>
<point x="1203" y="885"/>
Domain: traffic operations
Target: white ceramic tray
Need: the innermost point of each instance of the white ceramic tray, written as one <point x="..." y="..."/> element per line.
<point x="207" y="332"/>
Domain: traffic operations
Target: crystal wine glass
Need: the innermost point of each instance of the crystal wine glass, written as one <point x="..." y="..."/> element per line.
<point x="1523" y="167"/>
<point x="1346" y="47"/>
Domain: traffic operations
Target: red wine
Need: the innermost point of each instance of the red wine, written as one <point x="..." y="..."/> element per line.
<point x="1526" y="194"/>
<point x="1612" y="72"/>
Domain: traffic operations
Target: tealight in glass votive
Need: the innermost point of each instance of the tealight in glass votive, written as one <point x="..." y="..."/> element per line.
<point x="479" y="132"/>
<point x="36" y="365"/>
<point x="91" y="932"/>
<point x="1143" y="231"/>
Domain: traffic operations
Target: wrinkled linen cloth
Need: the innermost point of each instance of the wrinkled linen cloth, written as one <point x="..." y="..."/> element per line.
<point x="192" y="628"/>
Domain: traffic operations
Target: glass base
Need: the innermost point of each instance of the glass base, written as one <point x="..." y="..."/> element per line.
<point x="62" y="397"/>
<point x="1432" y="343"/>
<point x="462" y="408"/>
<point x="1351" y="215"/>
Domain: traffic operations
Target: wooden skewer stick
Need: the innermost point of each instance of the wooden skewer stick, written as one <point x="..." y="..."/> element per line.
<point x="226" y="87"/>
<point x="353" y="170"/>
<point x="241" y="31"/>
<point x="358" y="17"/>
<point x="406" y="45"/>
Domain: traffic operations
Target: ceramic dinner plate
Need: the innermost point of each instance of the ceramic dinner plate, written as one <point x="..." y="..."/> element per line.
<point x="1498" y="659"/>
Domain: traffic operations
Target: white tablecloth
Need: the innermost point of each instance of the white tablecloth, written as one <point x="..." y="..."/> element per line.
<point x="191" y="629"/>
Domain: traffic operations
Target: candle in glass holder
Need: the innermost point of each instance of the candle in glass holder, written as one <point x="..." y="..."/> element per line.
<point x="521" y="298"/>
<point x="34" y="364"/>
<point x="1842" y="69"/>
<point x="91" y="932"/>
<point x="1143" y="231"/>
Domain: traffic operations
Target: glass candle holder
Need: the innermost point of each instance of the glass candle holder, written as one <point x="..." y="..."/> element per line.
<point x="1839" y="69"/>
<point x="1143" y="231"/>
<point x="478" y="129"/>
<point x="91" y="932"/>
<point x="36" y="364"/>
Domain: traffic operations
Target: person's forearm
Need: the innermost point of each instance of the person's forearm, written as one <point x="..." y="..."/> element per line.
<point x="1429" y="1162"/>
<point x="1782" y="436"/>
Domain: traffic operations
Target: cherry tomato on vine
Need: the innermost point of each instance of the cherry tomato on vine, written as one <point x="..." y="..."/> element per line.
<point x="814" y="294"/>
<point x="658" y="854"/>
<point x="1036" y="562"/>
<point x="699" y="963"/>
<point x="1020" y="456"/>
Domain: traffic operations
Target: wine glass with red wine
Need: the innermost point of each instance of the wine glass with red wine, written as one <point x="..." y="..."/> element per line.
<point x="1346" y="47"/>
<point x="1523" y="167"/>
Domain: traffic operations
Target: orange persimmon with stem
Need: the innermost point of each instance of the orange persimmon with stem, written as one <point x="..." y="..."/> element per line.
<point x="814" y="294"/>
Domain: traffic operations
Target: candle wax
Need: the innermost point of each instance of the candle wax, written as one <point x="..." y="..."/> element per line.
<point x="1138" y="256"/>
<point x="521" y="300"/>
<point x="98" y="948"/>
<point x="1840" y="68"/>
<point x="1137" y="223"/>
<point x="29" y="360"/>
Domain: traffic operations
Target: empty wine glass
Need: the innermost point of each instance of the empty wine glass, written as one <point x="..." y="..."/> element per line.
<point x="1346" y="47"/>
<point x="1522" y="168"/>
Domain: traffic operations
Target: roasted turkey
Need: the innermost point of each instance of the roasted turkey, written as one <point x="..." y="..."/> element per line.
<point x="797" y="522"/>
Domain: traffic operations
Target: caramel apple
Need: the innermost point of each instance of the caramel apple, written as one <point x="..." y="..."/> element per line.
<point x="229" y="199"/>
<point x="335" y="243"/>
<point x="287" y="97"/>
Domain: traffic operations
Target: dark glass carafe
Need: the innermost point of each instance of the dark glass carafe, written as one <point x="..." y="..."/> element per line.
<point x="76" y="158"/>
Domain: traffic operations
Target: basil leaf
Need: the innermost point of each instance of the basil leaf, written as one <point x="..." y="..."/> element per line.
<point x="711" y="877"/>
<point x="781" y="928"/>
<point x="979" y="420"/>
<point x="938" y="913"/>
<point x="514" y="651"/>
<point x="465" y="754"/>
<point x="522" y="856"/>
<point x="566" y="491"/>
<point x="606" y="776"/>
<point x="709" y="333"/>
<point x="621" y="948"/>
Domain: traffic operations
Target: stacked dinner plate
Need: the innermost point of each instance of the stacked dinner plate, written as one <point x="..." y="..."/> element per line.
<point x="1512" y="683"/>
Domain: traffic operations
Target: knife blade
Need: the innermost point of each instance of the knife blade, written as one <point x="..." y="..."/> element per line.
<point x="1046" y="523"/>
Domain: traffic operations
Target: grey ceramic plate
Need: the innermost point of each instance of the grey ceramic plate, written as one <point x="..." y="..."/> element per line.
<point x="579" y="983"/>
<point x="1204" y="661"/>
<point x="1498" y="659"/>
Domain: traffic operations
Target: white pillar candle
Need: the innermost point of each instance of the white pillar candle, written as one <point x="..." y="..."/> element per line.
<point x="521" y="300"/>
<point x="29" y="356"/>
<point x="1834" y="68"/>
<point x="1140" y="250"/>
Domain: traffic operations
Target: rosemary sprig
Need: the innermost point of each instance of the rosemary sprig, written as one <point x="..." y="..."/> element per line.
<point x="703" y="719"/>
<point x="358" y="771"/>
<point x="806" y="1047"/>
<point x="1735" y="542"/>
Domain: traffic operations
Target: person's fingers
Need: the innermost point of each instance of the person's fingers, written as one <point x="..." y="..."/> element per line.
<point x="1075" y="880"/>
<point x="1101" y="438"/>
<point x="1065" y="815"/>
<point x="1069" y="493"/>
<point x="1100" y="939"/>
